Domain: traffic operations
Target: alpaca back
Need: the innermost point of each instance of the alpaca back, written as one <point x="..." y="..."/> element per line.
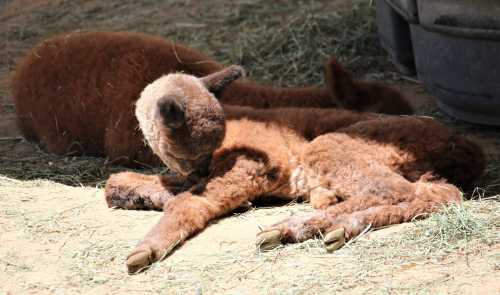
<point x="71" y="87"/>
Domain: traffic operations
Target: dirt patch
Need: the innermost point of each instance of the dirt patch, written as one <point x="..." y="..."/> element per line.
<point x="8" y="127"/>
<point x="57" y="236"/>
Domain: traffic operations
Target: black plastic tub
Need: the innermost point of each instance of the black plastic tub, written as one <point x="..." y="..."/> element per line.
<point x="457" y="56"/>
<point x="456" y="52"/>
<point x="464" y="73"/>
<point x="394" y="32"/>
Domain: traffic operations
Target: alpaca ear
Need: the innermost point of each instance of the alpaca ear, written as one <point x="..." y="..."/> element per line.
<point x="340" y="83"/>
<point x="218" y="80"/>
<point x="172" y="112"/>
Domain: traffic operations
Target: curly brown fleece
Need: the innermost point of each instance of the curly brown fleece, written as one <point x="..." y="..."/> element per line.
<point x="357" y="169"/>
<point x="76" y="92"/>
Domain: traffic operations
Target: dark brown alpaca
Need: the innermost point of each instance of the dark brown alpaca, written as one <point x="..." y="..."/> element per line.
<point x="357" y="169"/>
<point x="76" y="92"/>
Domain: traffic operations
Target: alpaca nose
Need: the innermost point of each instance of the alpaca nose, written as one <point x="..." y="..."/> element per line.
<point x="171" y="112"/>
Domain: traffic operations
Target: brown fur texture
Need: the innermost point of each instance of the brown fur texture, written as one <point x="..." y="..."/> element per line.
<point x="75" y="93"/>
<point x="357" y="169"/>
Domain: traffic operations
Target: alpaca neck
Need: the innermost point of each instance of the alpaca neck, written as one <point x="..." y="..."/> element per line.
<point x="247" y="93"/>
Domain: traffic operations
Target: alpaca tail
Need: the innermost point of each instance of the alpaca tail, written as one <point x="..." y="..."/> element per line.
<point x="249" y="93"/>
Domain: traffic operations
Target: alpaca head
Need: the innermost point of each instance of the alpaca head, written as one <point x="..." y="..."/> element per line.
<point x="364" y="96"/>
<point x="181" y="119"/>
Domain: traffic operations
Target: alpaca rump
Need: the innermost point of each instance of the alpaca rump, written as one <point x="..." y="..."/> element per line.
<point x="76" y="92"/>
<point x="356" y="169"/>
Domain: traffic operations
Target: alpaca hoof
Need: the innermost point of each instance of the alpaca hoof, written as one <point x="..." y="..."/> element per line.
<point x="269" y="240"/>
<point x="139" y="260"/>
<point x="334" y="240"/>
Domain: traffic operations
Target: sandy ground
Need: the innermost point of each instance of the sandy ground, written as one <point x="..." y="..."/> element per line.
<point x="62" y="239"/>
<point x="57" y="239"/>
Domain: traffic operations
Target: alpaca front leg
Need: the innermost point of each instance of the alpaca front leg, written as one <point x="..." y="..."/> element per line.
<point x="134" y="191"/>
<point x="238" y="180"/>
<point x="183" y="216"/>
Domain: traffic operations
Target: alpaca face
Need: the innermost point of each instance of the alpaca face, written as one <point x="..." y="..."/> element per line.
<point x="182" y="121"/>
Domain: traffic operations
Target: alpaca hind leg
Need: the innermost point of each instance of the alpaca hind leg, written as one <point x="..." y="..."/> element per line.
<point x="347" y="219"/>
<point x="299" y="229"/>
<point x="346" y="226"/>
<point x="321" y="198"/>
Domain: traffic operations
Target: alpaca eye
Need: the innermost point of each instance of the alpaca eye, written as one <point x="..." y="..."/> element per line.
<point x="172" y="113"/>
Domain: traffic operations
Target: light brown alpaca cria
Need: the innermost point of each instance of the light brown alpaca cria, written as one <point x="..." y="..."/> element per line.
<point x="76" y="92"/>
<point x="357" y="169"/>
